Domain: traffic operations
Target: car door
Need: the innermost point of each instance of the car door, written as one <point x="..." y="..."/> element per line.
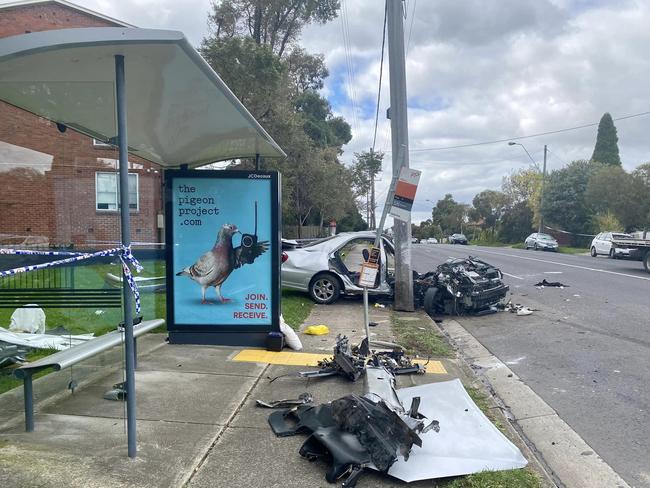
<point x="606" y="243"/>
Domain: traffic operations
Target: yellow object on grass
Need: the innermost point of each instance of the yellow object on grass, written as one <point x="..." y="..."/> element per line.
<point x="317" y="330"/>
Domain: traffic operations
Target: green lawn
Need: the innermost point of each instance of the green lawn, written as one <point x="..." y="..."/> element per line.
<point x="296" y="307"/>
<point x="418" y="337"/>
<point x="572" y="250"/>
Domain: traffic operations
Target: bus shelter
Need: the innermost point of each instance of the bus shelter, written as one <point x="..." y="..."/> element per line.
<point x="101" y="81"/>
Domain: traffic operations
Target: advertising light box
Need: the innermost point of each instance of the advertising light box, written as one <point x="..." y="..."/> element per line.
<point x="223" y="256"/>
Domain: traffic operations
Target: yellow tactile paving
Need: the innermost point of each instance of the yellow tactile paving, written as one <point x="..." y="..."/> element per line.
<point x="287" y="358"/>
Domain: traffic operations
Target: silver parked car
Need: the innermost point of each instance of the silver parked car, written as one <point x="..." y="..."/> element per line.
<point x="537" y="240"/>
<point x="330" y="267"/>
<point x="602" y="244"/>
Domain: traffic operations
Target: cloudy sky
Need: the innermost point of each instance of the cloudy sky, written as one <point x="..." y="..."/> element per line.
<point x="477" y="71"/>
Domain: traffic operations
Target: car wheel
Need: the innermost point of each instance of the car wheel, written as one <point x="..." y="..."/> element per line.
<point x="646" y="261"/>
<point x="593" y="252"/>
<point x="612" y="254"/>
<point x="325" y="288"/>
<point x="535" y="247"/>
<point x="429" y="302"/>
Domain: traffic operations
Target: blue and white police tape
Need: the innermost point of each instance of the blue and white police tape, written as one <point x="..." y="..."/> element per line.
<point x="124" y="253"/>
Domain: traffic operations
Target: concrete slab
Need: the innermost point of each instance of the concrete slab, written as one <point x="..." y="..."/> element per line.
<point x="164" y="395"/>
<point x="571" y="458"/>
<point x="197" y="359"/>
<point x="88" y="452"/>
<point x="277" y="464"/>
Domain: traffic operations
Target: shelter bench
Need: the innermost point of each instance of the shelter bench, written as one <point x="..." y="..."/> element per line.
<point x="72" y="356"/>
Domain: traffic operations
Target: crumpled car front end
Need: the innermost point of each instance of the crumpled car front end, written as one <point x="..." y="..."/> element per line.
<point x="460" y="286"/>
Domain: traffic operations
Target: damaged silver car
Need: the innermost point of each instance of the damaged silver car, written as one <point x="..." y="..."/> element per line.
<point x="330" y="267"/>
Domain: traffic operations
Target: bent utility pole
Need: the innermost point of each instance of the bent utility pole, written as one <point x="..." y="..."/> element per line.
<point x="400" y="150"/>
<point x="541" y="197"/>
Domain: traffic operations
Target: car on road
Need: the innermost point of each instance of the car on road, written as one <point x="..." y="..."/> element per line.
<point x="602" y="244"/>
<point x="457" y="239"/>
<point x="329" y="267"/>
<point x="431" y="240"/>
<point x="545" y="242"/>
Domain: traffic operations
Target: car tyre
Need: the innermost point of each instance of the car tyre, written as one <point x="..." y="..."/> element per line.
<point x="429" y="302"/>
<point x="593" y="252"/>
<point x="535" y="247"/>
<point x="325" y="288"/>
<point x="646" y="261"/>
<point x="612" y="254"/>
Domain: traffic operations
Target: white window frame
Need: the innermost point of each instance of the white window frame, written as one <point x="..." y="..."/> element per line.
<point x="117" y="203"/>
<point x="101" y="144"/>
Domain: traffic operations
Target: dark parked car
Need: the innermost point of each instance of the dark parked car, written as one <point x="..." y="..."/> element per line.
<point x="457" y="239"/>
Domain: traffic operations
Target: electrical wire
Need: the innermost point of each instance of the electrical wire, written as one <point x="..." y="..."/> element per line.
<point x="408" y="43"/>
<point x="381" y="71"/>
<point x="584" y="126"/>
<point x="350" y="67"/>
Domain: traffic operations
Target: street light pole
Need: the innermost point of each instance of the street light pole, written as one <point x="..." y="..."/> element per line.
<point x="541" y="197"/>
<point x="524" y="148"/>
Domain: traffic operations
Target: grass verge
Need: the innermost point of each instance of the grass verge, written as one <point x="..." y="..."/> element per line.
<point x="418" y="337"/>
<point x="296" y="307"/>
<point x="514" y="478"/>
<point x="572" y="250"/>
<point x="7" y="379"/>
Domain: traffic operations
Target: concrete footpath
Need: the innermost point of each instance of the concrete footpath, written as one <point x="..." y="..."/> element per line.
<point x="198" y="425"/>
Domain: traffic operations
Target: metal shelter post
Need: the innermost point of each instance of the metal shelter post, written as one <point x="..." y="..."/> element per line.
<point x="125" y="220"/>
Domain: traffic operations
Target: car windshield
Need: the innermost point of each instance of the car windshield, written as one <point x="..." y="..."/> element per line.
<point x="621" y="236"/>
<point x="460" y="236"/>
<point x="545" y="237"/>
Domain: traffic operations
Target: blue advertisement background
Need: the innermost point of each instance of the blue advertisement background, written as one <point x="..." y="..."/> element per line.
<point x="235" y="199"/>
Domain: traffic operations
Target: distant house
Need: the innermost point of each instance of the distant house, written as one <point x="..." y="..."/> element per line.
<point x="59" y="187"/>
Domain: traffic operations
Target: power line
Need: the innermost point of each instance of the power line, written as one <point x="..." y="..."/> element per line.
<point x="350" y="68"/>
<point x="408" y="43"/>
<point x="526" y="137"/>
<point x="381" y="71"/>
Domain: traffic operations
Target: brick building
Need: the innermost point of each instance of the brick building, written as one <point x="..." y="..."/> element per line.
<point x="59" y="187"/>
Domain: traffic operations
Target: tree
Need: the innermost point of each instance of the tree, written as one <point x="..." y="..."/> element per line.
<point x="643" y="173"/>
<point x="516" y="223"/>
<point x="564" y="197"/>
<point x="252" y="47"/>
<point x="612" y="190"/>
<point x="449" y="215"/>
<point x="606" y="150"/>
<point x="524" y="185"/>
<point x="276" y="23"/>
<point x="489" y="206"/>
<point x="365" y="168"/>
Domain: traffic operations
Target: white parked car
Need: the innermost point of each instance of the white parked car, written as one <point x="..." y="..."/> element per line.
<point x="602" y="244"/>
<point x="431" y="240"/>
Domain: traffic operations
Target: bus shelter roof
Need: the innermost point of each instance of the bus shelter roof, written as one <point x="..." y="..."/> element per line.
<point x="179" y="110"/>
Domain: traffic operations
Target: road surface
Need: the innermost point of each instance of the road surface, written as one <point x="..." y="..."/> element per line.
<point x="585" y="351"/>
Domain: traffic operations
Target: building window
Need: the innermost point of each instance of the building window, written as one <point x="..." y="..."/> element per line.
<point x="107" y="187"/>
<point x="103" y="145"/>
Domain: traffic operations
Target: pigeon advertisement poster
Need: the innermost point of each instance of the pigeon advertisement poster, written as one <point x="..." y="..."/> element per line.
<point x="222" y="247"/>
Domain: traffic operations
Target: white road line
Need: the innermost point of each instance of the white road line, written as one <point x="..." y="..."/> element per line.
<point x="552" y="272"/>
<point x="512" y="276"/>
<point x="565" y="264"/>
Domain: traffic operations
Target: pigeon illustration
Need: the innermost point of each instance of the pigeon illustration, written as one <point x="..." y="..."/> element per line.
<point x="215" y="266"/>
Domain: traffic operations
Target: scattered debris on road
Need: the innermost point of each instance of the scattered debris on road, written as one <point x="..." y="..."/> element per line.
<point x="317" y="330"/>
<point x="551" y="284"/>
<point x="515" y="308"/>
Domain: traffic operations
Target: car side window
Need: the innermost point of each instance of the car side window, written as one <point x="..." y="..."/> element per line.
<point x="351" y="254"/>
<point x="608" y="237"/>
